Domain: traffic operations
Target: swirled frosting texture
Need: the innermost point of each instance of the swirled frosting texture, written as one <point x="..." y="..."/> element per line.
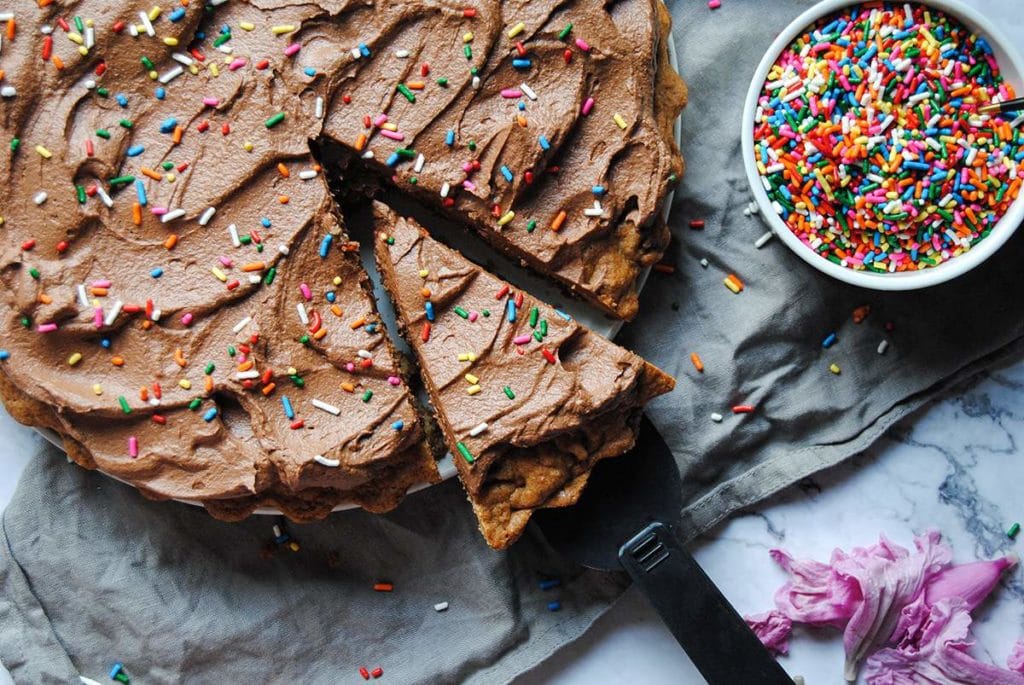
<point x="528" y="399"/>
<point x="154" y="321"/>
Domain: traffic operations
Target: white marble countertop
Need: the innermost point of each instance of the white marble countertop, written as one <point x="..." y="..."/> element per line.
<point x="954" y="466"/>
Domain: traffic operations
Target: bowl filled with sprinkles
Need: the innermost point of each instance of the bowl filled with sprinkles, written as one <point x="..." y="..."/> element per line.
<point x="873" y="145"/>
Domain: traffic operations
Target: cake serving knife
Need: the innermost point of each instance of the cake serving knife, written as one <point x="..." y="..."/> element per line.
<point x="624" y="521"/>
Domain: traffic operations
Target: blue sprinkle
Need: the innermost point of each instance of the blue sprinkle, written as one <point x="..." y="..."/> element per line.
<point x="331" y="297"/>
<point x="563" y="315"/>
<point x="549" y="583"/>
<point x="287" y="404"/>
<point x="157" y="272"/>
<point x="449" y="138"/>
<point x="200" y="35"/>
<point x="121" y="99"/>
<point x="135" y="150"/>
<point x="544" y="143"/>
<point x="428" y="307"/>
<point x="140" y="190"/>
<point x="511" y="309"/>
<point x="4" y="355"/>
<point x="521" y="63"/>
<point x="210" y="414"/>
<point x="363" y="50"/>
<point x="160" y="93"/>
<point x="830" y="339"/>
<point x="224" y="28"/>
<point x="554" y="606"/>
<point x="115" y="669"/>
<point x="393" y="159"/>
<point x="177" y="14"/>
<point x="370" y="327"/>
<point x="506" y="173"/>
<point x="521" y="106"/>
<point x="105" y="343"/>
<point x="309" y="71"/>
<point x="325" y="245"/>
<point x="168" y="125"/>
<point x="398" y="425"/>
<point x="597" y="190"/>
<point x="266" y="222"/>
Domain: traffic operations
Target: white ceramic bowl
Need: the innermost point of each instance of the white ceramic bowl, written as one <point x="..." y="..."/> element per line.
<point x="1012" y="69"/>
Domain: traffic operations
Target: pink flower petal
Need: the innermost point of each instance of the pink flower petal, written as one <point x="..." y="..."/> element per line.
<point x="940" y="654"/>
<point x="772" y="629"/>
<point x="815" y="594"/>
<point x="1016" y="659"/>
<point x="970" y="582"/>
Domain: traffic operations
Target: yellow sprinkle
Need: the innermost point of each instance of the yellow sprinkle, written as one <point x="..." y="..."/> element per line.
<point x="473" y="389"/>
<point x="171" y="40"/>
<point x="467" y="36"/>
<point x="141" y="28"/>
<point x="221" y="276"/>
<point x="90" y="23"/>
<point x="423" y="272"/>
<point x="467" y="357"/>
<point x="43" y="152"/>
<point x="336" y="280"/>
<point x="619" y="121"/>
<point x="247" y="25"/>
<point x="76" y="38"/>
<point x="153" y="76"/>
<point x="282" y="29"/>
<point x="731" y="285"/>
<point x="516" y="30"/>
<point x="506" y="217"/>
<point x="834" y="368"/>
<point x="247" y="146"/>
<point x="471" y="379"/>
<point x="74" y="358"/>
<point x="213" y="69"/>
<point x="97" y="389"/>
<point x="171" y="178"/>
<point x="154" y="13"/>
<point x="193" y="69"/>
<point x="82" y="50"/>
<point x="185" y="383"/>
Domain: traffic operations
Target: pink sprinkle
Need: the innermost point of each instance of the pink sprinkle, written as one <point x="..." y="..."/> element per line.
<point x="159" y="211"/>
<point x="511" y="93"/>
<point x="237" y="64"/>
<point x="394" y="380"/>
<point x="225" y="261"/>
<point x="469" y="185"/>
<point x="97" y="318"/>
<point x="292" y="49"/>
<point x="714" y="4"/>
<point x="473" y="316"/>
<point x="242" y="357"/>
<point x="393" y="135"/>
<point x="583" y="45"/>
<point x="306" y="292"/>
<point x="467" y="167"/>
<point x="521" y="339"/>
<point x="51" y="327"/>
<point x="211" y="102"/>
<point x="186" y="318"/>
<point x="133" y="447"/>
<point x="380" y="120"/>
<point x="587" y="106"/>
<point x="102" y="283"/>
<point x="350" y="367"/>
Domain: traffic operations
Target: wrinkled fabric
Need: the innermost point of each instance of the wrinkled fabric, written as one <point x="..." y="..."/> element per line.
<point x="773" y="629"/>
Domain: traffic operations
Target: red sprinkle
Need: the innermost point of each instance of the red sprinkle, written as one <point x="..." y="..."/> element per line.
<point x="697" y="224"/>
<point x="232" y="285"/>
<point x="383" y="587"/>
<point x="62" y="246"/>
<point x="347" y="99"/>
<point x="363" y="672"/>
<point x="377" y="672"/>
<point x="297" y="424"/>
<point x="225" y="128"/>
<point x="198" y="55"/>
<point x="528" y="177"/>
<point x="47" y="48"/>
<point x="262" y="64"/>
<point x="118" y="26"/>
<point x="567" y="55"/>
<point x="469" y="12"/>
<point x="742" y="409"/>
<point x="424" y="69"/>
<point x="425" y="335"/>
<point x="503" y="292"/>
<point x="157" y="418"/>
<point x="519" y="299"/>
<point x="203" y="126"/>
<point x="63" y="24"/>
<point x="548" y="355"/>
<point x="267" y="375"/>
<point x="520" y="48"/>
<point x="28" y="244"/>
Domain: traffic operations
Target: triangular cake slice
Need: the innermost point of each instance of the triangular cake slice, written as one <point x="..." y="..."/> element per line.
<point x="528" y="399"/>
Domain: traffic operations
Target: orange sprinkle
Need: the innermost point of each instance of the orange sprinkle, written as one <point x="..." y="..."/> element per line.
<point x="416" y="85"/>
<point x="861" y="313"/>
<point x="171" y="241"/>
<point x="254" y="266"/>
<point x="360" y="142"/>
<point x="283" y="170"/>
<point x="117" y="361"/>
<point x="348" y="387"/>
<point x="45" y="299"/>
<point x="146" y="325"/>
<point x="136" y="214"/>
<point x="144" y="394"/>
<point x="152" y="174"/>
<point x="208" y="384"/>
<point x="425" y="292"/>
<point x="10" y="29"/>
<point x="57" y="61"/>
<point x="269" y="388"/>
<point x="358" y="323"/>
<point x="283" y="199"/>
<point x="179" y="358"/>
<point x="521" y="120"/>
<point x="320" y="334"/>
<point x="178" y="133"/>
<point x="98" y="292"/>
<point x="697" y="363"/>
<point x="246" y="365"/>
<point x="336" y="310"/>
<point x="383" y="587"/>
<point x="559" y="220"/>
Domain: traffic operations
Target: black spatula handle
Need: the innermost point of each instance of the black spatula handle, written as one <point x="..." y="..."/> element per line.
<point x="722" y="647"/>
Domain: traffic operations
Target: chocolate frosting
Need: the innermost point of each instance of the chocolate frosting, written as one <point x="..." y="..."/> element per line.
<point x="172" y="313"/>
<point x="550" y="397"/>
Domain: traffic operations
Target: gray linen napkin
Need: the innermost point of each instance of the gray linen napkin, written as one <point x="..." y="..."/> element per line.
<point x="92" y="573"/>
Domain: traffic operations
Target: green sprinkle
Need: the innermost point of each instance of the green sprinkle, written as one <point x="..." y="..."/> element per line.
<point x="167" y="166"/>
<point x="544" y="327"/>
<point x="271" y="273"/>
<point x="474" y="71"/>
<point x="508" y="392"/>
<point x="462" y="312"/>
<point x="34" y="273"/>
<point x="471" y="145"/>
<point x="468" y="52"/>
<point x="304" y="340"/>
<point x="259" y="248"/>
<point x="102" y="92"/>
<point x="443" y="82"/>
<point x="413" y="180"/>
<point x="147" y="62"/>
<point x="1012" y="532"/>
<point x="486" y="312"/>
<point x="390" y="240"/>
<point x="121" y="180"/>
<point x="15" y="142"/>
<point x="297" y="380"/>
<point x="367" y="395"/>
<point x="231" y="350"/>
<point x="194" y="404"/>
<point x="124" y="404"/>
<point x="26" y="322"/>
<point x="464" y="451"/>
<point x="564" y="33"/>
<point x="404" y="90"/>
<point x="126" y="123"/>
<point x="406" y="152"/>
<point x="534" y="313"/>
<point x="79" y="26"/>
<point x="80" y="190"/>
<point x="221" y="39"/>
<point x="245" y="239"/>
<point x="530" y="225"/>
<point x="209" y="368"/>
<point x="274" y="120"/>
<point x="103" y="133"/>
<point x="538" y="337"/>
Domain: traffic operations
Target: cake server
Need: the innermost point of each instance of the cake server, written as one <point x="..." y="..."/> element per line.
<point x="625" y="521"/>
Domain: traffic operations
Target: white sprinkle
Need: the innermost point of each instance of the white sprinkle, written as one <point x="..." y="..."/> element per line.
<point x="242" y="324"/>
<point x="247" y="375"/>
<point x="704" y="262"/>
<point x="217" y="2"/>
<point x="90" y="37"/>
<point x="132" y="31"/>
<point x="763" y="240"/>
<point x="182" y="58"/>
<point x="89" y="84"/>
<point x="301" y="308"/>
<point x="420" y="161"/>
<point x="233" y="232"/>
<point x="368" y="154"/>
<point x="83" y="299"/>
<point x="144" y="17"/>
<point x="401" y="54"/>
<point x="172" y="215"/>
<point x="154" y="401"/>
<point x="365" y="354"/>
<point x="596" y="210"/>
<point x="40" y="197"/>
<point x="318" y="107"/>
<point x="883" y="346"/>
<point x="6" y="16"/>
<point x="8" y="91"/>
<point x="205" y="217"/>
<point x="441" y="606"/>
<point x="476" y="83"/>
<point x="445" y="188"/>
<point x="277" y="530"/>
<point x="324" y="461"/>
<point x="478" y="429"/>
<point x="112" y="314"/>
<point x="225" y="48"/>
<point x="329" y="408"/>
<point x="1017" y="121"/>
<point x="254" y="278"/>
<point x="716" y="417"/>
<point x="171" y="74"/>
<point x="283" y="249"/>
<point x="355" y="53"/>
<point x="157" y="313"/>
<point x="528" y="91"/>
<point x="307" y="174"/>
<point x="104" y="198"/>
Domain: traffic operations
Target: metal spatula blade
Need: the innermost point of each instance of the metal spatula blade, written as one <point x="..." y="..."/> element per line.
<point x="624" y="521"/>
